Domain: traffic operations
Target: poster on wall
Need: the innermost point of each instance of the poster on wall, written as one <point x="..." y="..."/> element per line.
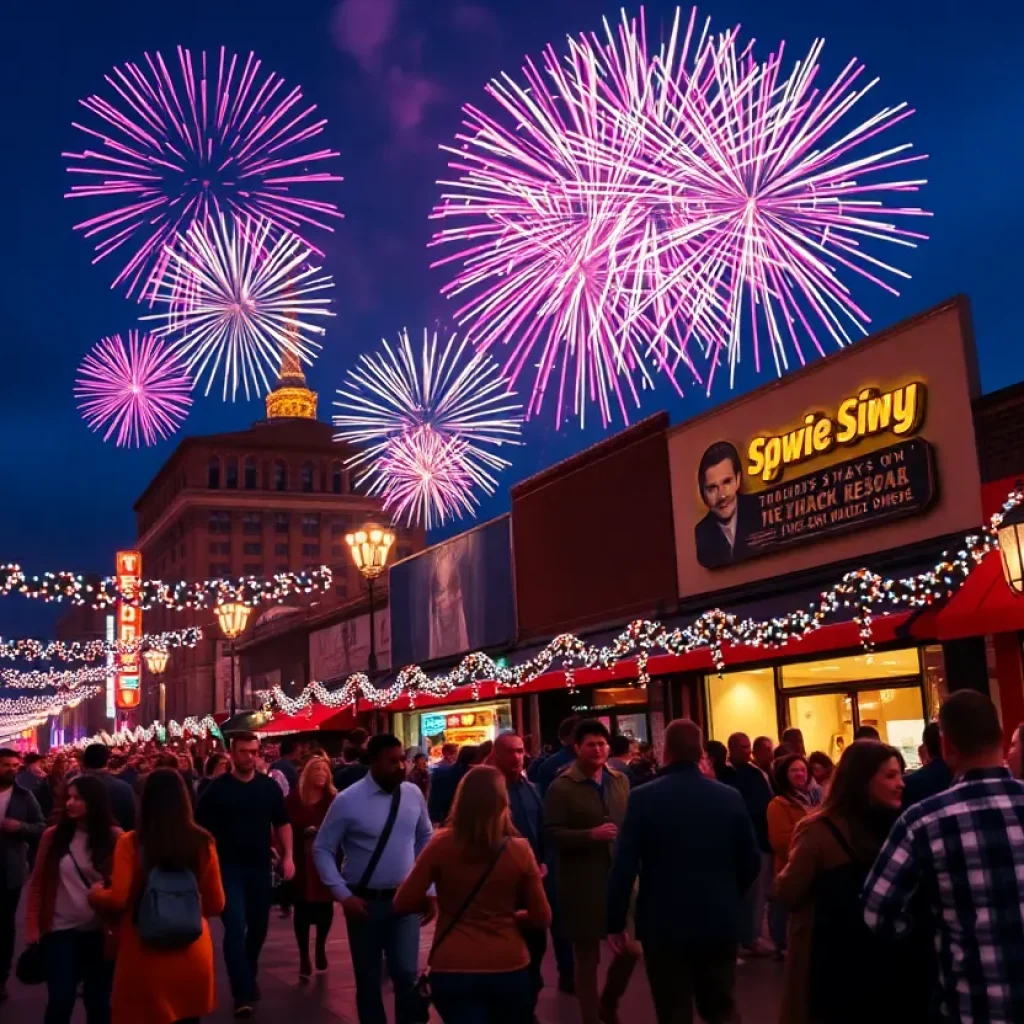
<point x="344" y="648"/>
<point x="454" y="597"/>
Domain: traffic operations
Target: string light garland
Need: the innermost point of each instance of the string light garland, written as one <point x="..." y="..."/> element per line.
<point x="97" y="592"/>
<point x="46" y="704"/>
<point x="201" y="727"/>
<point x="69" y="680"/>
<point x="865" y="592"/>
<point x="93" y="650"/>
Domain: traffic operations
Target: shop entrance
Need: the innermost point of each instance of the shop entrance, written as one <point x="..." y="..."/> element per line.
<point x="881" y="690"/>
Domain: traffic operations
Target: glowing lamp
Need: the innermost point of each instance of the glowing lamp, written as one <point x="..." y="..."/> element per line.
<point x="370" y="547"/>
<point x="156" y="660"/>
<point x="232" y="618"/>
<point x="1011" y="549"/>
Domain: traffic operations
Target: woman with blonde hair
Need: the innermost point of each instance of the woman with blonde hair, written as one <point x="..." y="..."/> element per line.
<point x="488" y="884"/>
<point x="307" y="805"/>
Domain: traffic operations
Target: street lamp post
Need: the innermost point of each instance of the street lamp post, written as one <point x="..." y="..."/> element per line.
<point x="156" y="661"/>
<point x="370" y="547"/>
<point x="232" y="618"/>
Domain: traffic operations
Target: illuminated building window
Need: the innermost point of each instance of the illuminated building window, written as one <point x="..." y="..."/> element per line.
<point x="742" y="701"/>
<point x="213" y="476"/>
<point x="282" y="522"/>
<point x="280" y="475"/>
<point x="307" y="476"/>
<point x="252" y="523"/>
<point x="231" y="472"/>
<point x="310" y="525"/>
<point x="251" y="478"/>
<point x="219" y="522"/>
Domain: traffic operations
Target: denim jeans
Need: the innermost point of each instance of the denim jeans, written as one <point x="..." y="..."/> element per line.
<point x="70" y="957"/>
<point x="398" y="939"/>
<point x="505" y="998"/>
<point x="246" y="917"/>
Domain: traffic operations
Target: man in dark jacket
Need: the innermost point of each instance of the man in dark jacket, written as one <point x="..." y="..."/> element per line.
<point x="691" y="841"/>
<point x="752" y="777"/>
<point x="935" y="777"/>
<point x="554" y="765"/>
<point x="444" y="781"/>
<point x="122" y="798"/>
<point x="21" y="823"/>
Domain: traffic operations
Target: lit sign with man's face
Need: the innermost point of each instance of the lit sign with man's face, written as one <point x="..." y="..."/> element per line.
<point x="870" y="412"/>
<point x="128" y="686"/>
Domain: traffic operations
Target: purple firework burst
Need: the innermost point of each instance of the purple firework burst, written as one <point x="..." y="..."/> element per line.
<point x="139" y="392"/>
<point x="179" y="143"/>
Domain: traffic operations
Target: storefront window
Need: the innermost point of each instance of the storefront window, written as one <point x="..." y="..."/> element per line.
<point x="897" y="714"/>
<point x="622" y="710"/>
<point x="879" y="665"/>
<point x="826" y="720"/>
<point x="741" y="701"/>
<point x="464" y="725"/>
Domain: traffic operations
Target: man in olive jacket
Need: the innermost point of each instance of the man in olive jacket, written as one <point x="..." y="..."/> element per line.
<point x="691" y="841"/>
<point x="583" y="810"/>
<point x="21" y="823"/>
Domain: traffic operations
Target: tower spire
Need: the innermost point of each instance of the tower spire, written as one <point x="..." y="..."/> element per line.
<point x="291" y="397"/>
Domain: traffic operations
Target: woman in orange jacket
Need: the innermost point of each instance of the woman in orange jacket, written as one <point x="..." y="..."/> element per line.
<point x="785" y="811"/>
<point x="156" y="985"/>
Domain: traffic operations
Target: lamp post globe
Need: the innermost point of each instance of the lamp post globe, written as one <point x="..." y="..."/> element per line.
<point x="156" y="660"/>
<point x="232" y="617"/>
<point x="1011" y="548"/>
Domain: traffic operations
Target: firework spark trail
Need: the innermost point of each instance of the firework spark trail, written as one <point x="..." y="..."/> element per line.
<point x="627" y="209"/>
<point x="179" y="147"/>
<point x="139" y="392"/>
<point x="448" y="407"/>
<point x="237" y="299"/>
<point x="426" y="478"/>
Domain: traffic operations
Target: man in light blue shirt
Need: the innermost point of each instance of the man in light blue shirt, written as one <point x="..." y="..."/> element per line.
<point x="354" y="824"/>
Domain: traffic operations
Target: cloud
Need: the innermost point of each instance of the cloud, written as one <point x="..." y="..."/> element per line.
<point x="473" y="20"/>
<point x="392" y="64"/>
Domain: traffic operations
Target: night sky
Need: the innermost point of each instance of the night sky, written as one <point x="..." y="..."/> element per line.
<point x="391" y="75"/>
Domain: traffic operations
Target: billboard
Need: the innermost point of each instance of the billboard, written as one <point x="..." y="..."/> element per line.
<point x="453" y="598"/>
<point x="344" y="648"/>
<point x="868" y="450"/>
<point x="128" y="682"/>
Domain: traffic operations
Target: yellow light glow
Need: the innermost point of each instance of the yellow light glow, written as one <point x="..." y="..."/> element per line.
<point x="232" y="618"/>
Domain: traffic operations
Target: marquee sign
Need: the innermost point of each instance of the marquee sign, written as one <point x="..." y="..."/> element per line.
<point x="128" y="674"/>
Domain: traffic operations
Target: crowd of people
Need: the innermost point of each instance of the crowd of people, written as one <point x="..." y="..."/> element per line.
<point x="888" y="896"/>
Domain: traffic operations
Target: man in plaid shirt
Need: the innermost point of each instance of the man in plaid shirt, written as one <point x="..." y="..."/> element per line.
<point x="964" y="850"/>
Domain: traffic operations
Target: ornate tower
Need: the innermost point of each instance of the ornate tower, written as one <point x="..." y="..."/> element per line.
<point x="291" y="398"/>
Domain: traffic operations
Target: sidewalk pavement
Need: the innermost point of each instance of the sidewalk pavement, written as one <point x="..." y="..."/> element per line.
<point x="330" y="998"/>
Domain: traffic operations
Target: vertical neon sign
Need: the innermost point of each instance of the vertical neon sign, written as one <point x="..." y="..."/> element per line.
<point x="128" y="687"/>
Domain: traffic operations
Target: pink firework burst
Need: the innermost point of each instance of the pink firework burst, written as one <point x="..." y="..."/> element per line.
<point x="424" y="478"/>
<point x="138" y="392"/>
<point x="201" y="137"/>
<point x="629" y="211"/>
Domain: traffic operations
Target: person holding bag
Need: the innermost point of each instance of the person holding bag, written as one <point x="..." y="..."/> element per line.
<point x="488" y="885"/>
<point x="166" y="883"/>
<point x="74" y="855"/>
<point x="381" y="824"/>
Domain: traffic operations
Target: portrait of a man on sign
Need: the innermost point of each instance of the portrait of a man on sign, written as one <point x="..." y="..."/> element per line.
<point x="723" y="535"/>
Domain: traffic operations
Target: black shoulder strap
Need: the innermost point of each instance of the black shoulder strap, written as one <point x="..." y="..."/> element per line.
<point x="385" y="835"/>
<point x="81" y="873"/>
<point x="839" y="838"/>
<point x="473" y="893"/>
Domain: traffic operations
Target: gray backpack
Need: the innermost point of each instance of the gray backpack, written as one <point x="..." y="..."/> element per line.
<point x="169" y="914"/>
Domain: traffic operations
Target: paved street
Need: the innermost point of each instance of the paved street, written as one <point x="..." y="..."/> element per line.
<point x="330" y="998"/>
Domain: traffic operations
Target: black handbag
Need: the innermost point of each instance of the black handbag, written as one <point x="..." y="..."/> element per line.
<point x="30" y="970"/>
<point x="421" y="997"/>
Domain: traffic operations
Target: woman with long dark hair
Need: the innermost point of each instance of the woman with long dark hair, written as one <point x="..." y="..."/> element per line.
<point x="73" y="855"/>
<point x="831" y="853"/>
<point x="307" y="805"/>
<point x="155" y="984"/>
<point x="488" y="883"/>
<point x="785" y="811"/>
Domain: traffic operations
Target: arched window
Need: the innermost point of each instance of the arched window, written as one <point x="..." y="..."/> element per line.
<point x="231" y="472"/>
<point x="213" y="477"/>
<point x="280" y="475"/>
<point x="337" y="479"/>
<point x="308" y="473"/>
<point x="251" y="480"/>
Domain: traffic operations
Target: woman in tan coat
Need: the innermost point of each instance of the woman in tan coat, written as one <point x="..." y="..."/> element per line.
<point x="836" y="971"/>
<point x="785" y="812"/>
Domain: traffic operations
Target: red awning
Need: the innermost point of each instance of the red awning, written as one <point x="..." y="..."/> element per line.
<point x="984" y="604"/>
<point x="316" y="716"/>
<point x="839" y="636"/>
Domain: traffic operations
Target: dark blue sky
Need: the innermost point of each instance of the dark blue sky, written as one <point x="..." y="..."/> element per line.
<point x="66" y="497"/>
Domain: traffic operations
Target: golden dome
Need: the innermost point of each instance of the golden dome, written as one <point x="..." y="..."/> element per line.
<point x="291" y="398"/>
